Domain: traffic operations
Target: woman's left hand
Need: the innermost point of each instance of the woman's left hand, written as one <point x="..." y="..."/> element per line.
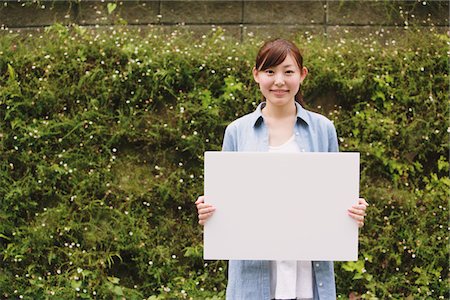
<point x="358" y="211"/>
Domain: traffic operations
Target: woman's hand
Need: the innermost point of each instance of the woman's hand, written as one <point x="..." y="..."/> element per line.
<point x="358" y="211"/>
<point x="205" y="210"/>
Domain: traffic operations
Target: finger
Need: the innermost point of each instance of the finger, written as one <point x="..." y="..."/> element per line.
<point x="204" y="216"/>
<point x="363" y="201"/>
<point x="361" y="212"/>
<point x="359" y="206"/>
<point x="357" y="217"/>
<point x="200" y="199"/>
<point x="203" y="205"/>
<point x="206" y="210"/>
<point x="360" y="224"/>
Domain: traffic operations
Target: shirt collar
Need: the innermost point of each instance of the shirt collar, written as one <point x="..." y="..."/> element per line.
<point x="258" y="117"/>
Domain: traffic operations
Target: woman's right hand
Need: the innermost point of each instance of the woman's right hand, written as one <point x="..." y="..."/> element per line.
<point x="205" y="210"/>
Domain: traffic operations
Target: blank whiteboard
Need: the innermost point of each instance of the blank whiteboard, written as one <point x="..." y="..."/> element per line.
<point x="281" y="206"/>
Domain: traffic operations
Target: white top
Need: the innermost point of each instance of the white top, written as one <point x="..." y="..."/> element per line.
<point x="289" y="146"/>
<point x="290" y="279"/>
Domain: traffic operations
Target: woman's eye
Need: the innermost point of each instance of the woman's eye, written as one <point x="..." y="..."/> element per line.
<point x="269" y="72"/>
<point x="289" y="72"/>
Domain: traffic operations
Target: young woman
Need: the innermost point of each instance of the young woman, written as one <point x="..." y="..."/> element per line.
<point x="281" y="124"/>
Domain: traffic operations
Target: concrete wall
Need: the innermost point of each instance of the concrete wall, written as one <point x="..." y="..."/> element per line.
<point x="239" y="18"/>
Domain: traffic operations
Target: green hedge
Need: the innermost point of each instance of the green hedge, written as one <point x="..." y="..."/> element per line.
<point x="102" y="139"/>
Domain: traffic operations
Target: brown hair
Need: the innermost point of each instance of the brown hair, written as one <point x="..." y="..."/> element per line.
<point x="273" y="53"/>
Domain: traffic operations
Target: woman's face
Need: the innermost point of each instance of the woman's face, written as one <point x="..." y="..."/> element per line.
<point x="280" y="84"/>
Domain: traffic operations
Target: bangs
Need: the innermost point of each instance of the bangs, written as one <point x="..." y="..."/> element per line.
<point x="273" y="57"/>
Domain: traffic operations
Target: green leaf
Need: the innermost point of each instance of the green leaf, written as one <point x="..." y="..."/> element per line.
<point x="75" y="284"/>
<point x="354" y="266"/>
<point x="51" y="257"/>
<point x="12" y="73"/>
<point x="111" y="7"/>
<point x="86" y="273"/>
<point x="114" y="280"/>
<point x="195" y="251"/>
<point x="442" y="164"/>
<point x="117" y="290"/>
<point x="4" y="236"/>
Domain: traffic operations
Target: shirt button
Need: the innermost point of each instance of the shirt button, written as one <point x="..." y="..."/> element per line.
<point x="317" y="264"/>
<point x="296" y="133"/>
<point x="320" y="284"/>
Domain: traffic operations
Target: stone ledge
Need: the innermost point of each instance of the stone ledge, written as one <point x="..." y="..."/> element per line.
<point x="16" y="14"/>
<point x="216" y="12"/>
<point x="426" y="15"/>
<point x="284" y="12"/>
<point x="130" y="12"/>
<point x="380" y="13"/>
<point x="368" y="13"/>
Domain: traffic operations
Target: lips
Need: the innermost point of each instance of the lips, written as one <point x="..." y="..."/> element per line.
<point x="280" y="92"/>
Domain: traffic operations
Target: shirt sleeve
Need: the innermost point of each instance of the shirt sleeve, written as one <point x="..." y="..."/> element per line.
<point x="229" y="139"/>
<point x="333" y="145"/>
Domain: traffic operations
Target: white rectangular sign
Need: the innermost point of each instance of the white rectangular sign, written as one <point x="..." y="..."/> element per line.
<point x="281" y="206"/>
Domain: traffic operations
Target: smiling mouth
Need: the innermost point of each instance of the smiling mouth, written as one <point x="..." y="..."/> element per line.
<point x="279" y="91"/>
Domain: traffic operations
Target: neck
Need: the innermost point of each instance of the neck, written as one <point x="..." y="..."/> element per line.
<point x="279" y="112"/>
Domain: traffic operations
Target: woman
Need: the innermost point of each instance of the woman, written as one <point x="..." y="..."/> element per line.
<point x="280" y="124"/>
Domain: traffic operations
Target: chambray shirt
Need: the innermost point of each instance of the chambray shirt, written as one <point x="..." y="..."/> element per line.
<point x="250" y="279"/>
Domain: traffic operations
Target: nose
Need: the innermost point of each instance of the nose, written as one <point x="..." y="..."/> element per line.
<point x="279" y="80"/>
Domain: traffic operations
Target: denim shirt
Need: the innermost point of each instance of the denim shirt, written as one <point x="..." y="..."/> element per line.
<point x="250" y="279"/>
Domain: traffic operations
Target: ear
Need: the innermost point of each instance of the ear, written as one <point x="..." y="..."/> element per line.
<point x="255" y="74"/>
<point x="303" y="74"/>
